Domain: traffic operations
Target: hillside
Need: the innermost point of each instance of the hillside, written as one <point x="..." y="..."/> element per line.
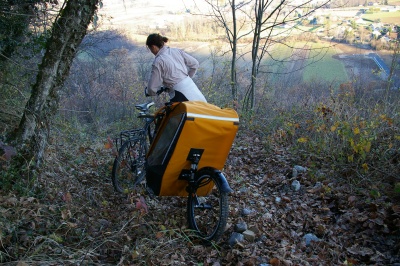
<point x="77" y="218"/>
<point x="314" y="168"/>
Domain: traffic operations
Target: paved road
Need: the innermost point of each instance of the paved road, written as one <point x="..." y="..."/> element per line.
<point x="381" y="64"/>
<point x="385" y="70"/>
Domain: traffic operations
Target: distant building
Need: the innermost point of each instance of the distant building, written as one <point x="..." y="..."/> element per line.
<point x="360" y="21"/>
<point x="376" y="34"/>
<point x="390" y="9"/>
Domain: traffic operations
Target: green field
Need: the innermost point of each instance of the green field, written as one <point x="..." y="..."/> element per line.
<point x="385" y="17"/>
<point x="321" y="65"/>
<point x="278" y="55"/>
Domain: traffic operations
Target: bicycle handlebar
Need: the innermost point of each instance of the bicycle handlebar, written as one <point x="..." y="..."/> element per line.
<point x="161" y="90"/>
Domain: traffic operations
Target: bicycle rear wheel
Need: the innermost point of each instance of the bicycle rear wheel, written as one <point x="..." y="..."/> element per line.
<point x="208" y="215"/>
<point x="128" y="169"/>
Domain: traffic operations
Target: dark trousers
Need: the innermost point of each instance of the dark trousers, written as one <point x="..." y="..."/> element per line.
<point x="179" y="97"/>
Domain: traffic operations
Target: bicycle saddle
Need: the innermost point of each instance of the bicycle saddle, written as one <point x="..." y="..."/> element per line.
<point x="144" y="106"/>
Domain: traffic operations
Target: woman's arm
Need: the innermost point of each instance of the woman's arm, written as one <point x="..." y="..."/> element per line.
<point x="155" y="81"/>
<point x="191" y="63"/>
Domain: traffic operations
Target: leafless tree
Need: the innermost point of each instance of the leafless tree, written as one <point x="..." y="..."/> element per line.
<point x="268" y="15"/>
<point x="235" y="29"/>
<point x="260" y="18"/>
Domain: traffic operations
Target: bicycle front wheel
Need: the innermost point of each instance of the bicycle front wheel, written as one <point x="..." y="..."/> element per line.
<point x="128" y="169"/>
<point x="208" y="215"/>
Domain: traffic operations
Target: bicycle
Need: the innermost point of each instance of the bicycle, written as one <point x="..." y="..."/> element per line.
<point x="206" y="188"/>
<point x="128" y="168"/>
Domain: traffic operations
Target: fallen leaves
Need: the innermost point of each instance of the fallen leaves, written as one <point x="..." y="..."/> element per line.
<point x="80" y="208"/>
<point x="67" y="197"/>
<point x="275" y="262"/>
<point x="360" y="250"/>
<point x="109" y="143"/>
<point x="141" y="205"/>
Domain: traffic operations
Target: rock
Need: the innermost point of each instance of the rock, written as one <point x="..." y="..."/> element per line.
<point x="243" y="190"/>
<point x="296" y="185"/>
<point x="297" y="169"/>
<point x="310" y="237"/>
<point x="267" y="216"/>
<point x="300" y="169"/>
<point x="249" y="235"/>
<point x="236" y="238"/>
<point x="240" y="227"/>
<point x="246" y="212"/>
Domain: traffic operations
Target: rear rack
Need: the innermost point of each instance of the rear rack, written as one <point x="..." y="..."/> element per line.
<point x="127" y="135"/>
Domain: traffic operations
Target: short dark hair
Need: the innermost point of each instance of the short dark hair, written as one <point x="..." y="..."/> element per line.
<point x="156" y="39"/>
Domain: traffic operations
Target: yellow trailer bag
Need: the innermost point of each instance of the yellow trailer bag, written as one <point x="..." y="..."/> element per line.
<point x="188" y="125"/>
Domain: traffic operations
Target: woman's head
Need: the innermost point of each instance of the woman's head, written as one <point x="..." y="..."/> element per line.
<point x="156" y="40"/>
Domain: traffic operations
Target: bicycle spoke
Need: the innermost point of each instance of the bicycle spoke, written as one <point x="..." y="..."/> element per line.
<point x="207" y="215"/>
<point x="128" y="169"/>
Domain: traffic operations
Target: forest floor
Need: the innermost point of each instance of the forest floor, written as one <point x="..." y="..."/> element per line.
<point x="76" y="218"/>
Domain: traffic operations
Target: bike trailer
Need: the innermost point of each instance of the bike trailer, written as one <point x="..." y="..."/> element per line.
<point x="187" y="126"/>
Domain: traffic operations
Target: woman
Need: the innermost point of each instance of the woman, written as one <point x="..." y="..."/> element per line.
<point x="174" y="69"/>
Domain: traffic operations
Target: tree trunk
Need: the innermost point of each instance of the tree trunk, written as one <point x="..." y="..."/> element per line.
<point x="67" y="34"/>
<point x="234" y="52"/>
<point x="258" y="16"/>
<point x="254" y="51"/>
